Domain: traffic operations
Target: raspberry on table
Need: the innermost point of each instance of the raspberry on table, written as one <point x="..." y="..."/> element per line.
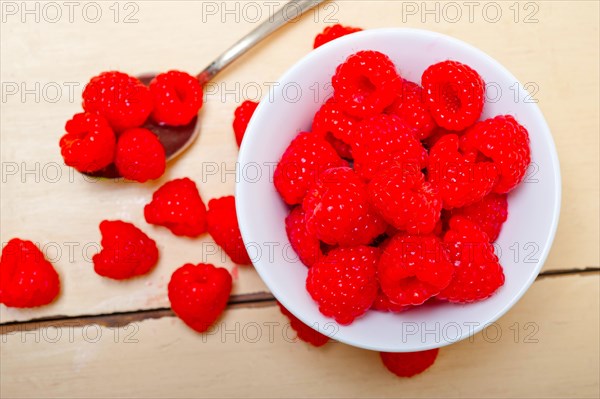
<point x="489" y="214"/>
<point x="89" y="144"/>
<point x="140" y="156"/>
<point x="304" y="332"/>
<point x="177" y="98"/>
<point x="410" y="106"/>
<point x="177" y="205"/>
<point x="455" y="94"/>
<point x="241" y="118"/>
<point x="331" y="119"/>
<point x="224" y="229"/>
<point x="344" y="282"/>
<point x="306" y="245"/>
<point x="366" y="83"/>
<point x="27" y="279"/>
<point x="333" y="32"/>
<point x="122" y="99"/>
<point x="305" y="158"/>
<point x="408" y="364"/>
<point x="126" y="251"/>
<point x="506" y="142"/>
<point x="199" y="294"/>
<point x="383" y="304"/>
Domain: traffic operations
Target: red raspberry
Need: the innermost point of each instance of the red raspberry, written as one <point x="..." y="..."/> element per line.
<point x="199" y="294"/>
<point x="506" y="142"/>
<point x="412" y="108"/>
<point x="413" y="269"/>
<point x="122" y="99"/>
<point x="27" y="279"/>
<point x="242" y="116"/>
<point x="344" y="282"/>
<point x="305" y="333"/>
<point x="405" y="199"/>
<point x="478" y="274"/>
<point x="437" y="134"/>
<point x="177" y="98"/>
<point x="383" y="304"/>
<point x="305" y="158"/>
<point x="89" y="144"/>
<point x="333" y="32"/>
<point x="366" y="83"/>
<point x="224" y="229"/>
<point x="177" y="205"/>
<point x="489" y="214"/>
<point x="330" y="118"/>
<point x="455" y="94"/>
<point x="140" y="155"/>
<point x="383" y="140"/>
<point x="306" y="245"/>
<point x="343" y="150"/>
<point x="461" y="179"/>
<point x="408" y="364"/>
<point x="337" y="209"/>
<point x="126" y="251"/>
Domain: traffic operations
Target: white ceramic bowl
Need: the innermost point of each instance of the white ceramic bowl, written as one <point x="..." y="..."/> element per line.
<point x="526" y="237"/>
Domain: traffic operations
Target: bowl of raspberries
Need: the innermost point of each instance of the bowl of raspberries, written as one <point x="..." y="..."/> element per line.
<point x="399" y="190"/>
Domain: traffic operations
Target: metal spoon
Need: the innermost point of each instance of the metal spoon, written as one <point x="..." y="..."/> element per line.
<point x="176" y="140"/>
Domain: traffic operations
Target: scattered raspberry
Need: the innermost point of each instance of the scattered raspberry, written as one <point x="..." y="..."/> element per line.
<point x="408" y="364"/>
<point x="140" y="155"/>
<point x="177" y="205"/>
<point x="343" y="150"/>
<point x="489" y="214"/>
<point x="337" y="209"/>
<point x="366" y="83"/>
<point x="460" y="178"/>
<point x="224" y="229"/>
<point x="333" y="32"/>
<point x="199" y="294"/>
<point x="331" y="119"/>
<point x="454" y="93"/>
<point x="27" y="279"/>
<point x="122" y="99"/>
<point x="126" y="251"/>
<point x="242" y="116"/>
<point x="305" y="333"/>
<point x="477" y="274"/>
<point x="177" y="98"/>
<point x="411" y="107"/>
<point x="306" y="245"/>
<point x="344" y="282"/>
<point x="383" y="140"/>
<point x="89" y="144"/>
<point x="383" y="304"/>
<point x="405" y="200"/>
<point x="506" y="142"/>
<point x="305" y="158"/>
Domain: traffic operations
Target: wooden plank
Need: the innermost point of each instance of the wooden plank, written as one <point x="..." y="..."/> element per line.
<point x="43" y="201"/>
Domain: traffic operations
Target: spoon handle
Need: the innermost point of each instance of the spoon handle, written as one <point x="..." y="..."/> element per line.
<point x="289" y="12"/>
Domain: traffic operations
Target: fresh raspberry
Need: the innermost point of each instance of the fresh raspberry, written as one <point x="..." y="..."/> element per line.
<point x="241" y="118"/>
<point x="454" y="93"/>
<point x="199" y="294"/>
<point x="408" y="364"/>
<point x="343" y="150"/>
<point x="412" y="108"/>
<point x="305" y="158"/>
<point x="489" y="214"/>
<point x="337" y="209"/>
<point x="27" y="279"/>
<point x="305" y="244"/>
<point x="89" y="144"/>
<point x="506" y="142"/>
<point x="478" y="274"/>
<point x="331" y="119"/>
<point x="461" y="178"/>
<point x="224" y="229"/>
<point x="305" y="333"/>
<point x="177" y="205"/>
<point x="366" y="83"/>
<point x="344" y="282"/>
<point x="437" y="134"/>
<point x="383" y="304"/>
<point x="413" y="269"/>
<point x="333" y="32"/>
<point x="122" y="99"/>
<point x="140" y="156"/>
<point x="405" y="200"/>
<point x="177" y="98"/>
<point x="126" y="251"/>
